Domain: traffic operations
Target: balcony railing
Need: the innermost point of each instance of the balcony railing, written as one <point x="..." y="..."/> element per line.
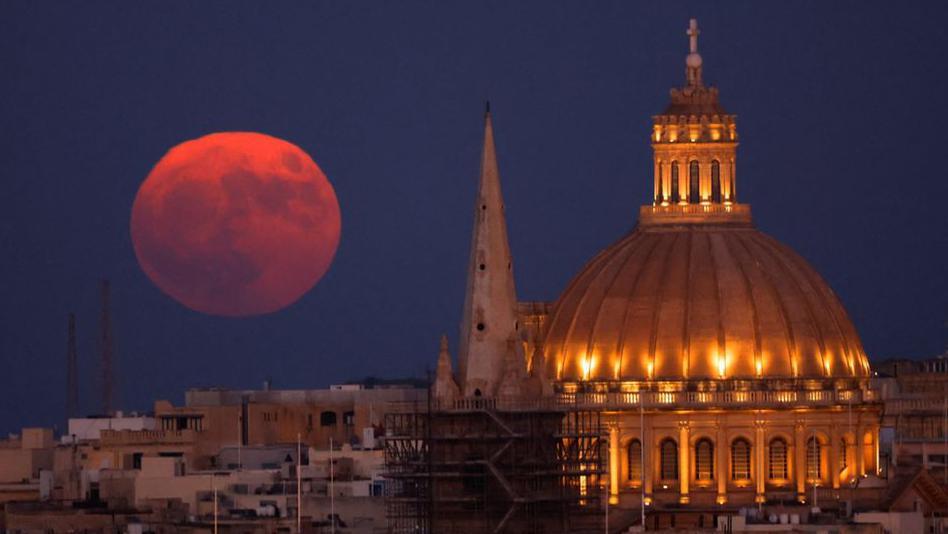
<point x="130" y="437"/>
<point x="679" y="213"/>
<point x="652" y="400"/>
<point x="932" y="405"/>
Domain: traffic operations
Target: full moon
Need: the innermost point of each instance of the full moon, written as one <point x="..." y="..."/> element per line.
<point x="235" y="224"/>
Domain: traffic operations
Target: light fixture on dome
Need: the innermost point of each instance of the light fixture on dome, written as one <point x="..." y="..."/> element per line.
<point x="586" y="363"/>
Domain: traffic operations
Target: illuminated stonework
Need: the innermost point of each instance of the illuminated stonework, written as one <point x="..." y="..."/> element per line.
<point x="695" y="143"/>
<point x="696" y="292"/>
<point x="725" y="367"/>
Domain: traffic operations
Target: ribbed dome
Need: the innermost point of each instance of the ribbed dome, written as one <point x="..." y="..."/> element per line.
<point x="700" y="301"/>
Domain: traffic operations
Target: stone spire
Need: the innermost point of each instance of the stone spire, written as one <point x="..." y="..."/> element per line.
<point x="490" y="302"/>
<point x="445" y="388"/>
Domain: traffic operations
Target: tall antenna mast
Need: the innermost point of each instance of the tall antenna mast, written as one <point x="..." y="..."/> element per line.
<point x="72" y="372"/>
<point x="105" y="346"/>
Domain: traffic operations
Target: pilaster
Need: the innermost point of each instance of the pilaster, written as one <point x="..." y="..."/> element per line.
<point x="613" y="463"/>
<point x="760" y="471"/>
<point x="799" y="455"/>
<point x="684" y="454"/>
<point x="860" y="450"/>
<point x="721" y="471"/>
<point x="834" y="456"/>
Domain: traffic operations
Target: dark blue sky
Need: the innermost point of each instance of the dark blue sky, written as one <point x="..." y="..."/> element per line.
<point x="841" y="111"/>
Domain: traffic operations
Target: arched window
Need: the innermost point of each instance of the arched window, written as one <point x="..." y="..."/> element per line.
<point x="842" y="455"/>
<point x="740" y="459"/>
<point x="694" y="183"/>
<point x="675" y="195"/>
<point x="669" y="457"/>
<point x="812" y="459"/>
<point x="704" y="459"/>
<point x="635" y="460"/>
<point x="715" y="182"/>
<point x="778" y="459"/>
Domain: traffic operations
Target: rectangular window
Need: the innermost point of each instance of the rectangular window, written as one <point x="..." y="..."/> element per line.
<point x="778" y="459"/>
<point x="669" y="459"/>
<point x="635" y="460"/>
<point x="813" y="460"/>
<point x="704" y="460"/>
<point x="740" y="460"/>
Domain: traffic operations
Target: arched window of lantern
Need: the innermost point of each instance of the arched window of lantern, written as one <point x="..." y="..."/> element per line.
<point x="669" y="459"/>
<point x="813" y="470"/>
<point x="694" y="182"/>
<point x="716" y="182"/>
<point x="740" y="459"/>
<point x="675" y="194"/>
<point x="704" y="459"/>
<point x="777" y="464"/>
<point x="635" y="460"/>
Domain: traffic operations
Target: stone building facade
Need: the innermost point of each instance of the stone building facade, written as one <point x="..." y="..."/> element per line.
<point x="726" y="371"/>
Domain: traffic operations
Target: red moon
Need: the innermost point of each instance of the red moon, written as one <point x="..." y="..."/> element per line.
<point x="235" y="224"/>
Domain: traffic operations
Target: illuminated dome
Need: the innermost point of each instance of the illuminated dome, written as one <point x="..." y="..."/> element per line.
<point x="692" y="301"/>
<point x="695" y="291"/>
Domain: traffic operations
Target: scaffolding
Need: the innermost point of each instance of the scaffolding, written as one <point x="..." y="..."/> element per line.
<point x="476" y="466"/>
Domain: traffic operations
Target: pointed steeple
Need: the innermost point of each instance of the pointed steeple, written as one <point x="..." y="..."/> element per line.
<point x="490" y="301"/>
<point x="445" y="388"/>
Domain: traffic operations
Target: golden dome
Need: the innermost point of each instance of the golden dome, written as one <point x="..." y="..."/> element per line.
<point x="695" y="291"/>
<point x="692" y="301"/>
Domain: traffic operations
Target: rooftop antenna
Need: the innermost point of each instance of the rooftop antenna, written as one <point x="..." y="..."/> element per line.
<point x="72" y="372"/>
<point x="105" y="346"/>
<point x="332" y="489"/>
<point x="214" y="489"/>
<point x="299" y="484"/>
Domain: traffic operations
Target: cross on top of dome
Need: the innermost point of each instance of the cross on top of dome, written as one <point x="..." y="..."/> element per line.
<point x="694" y="142"/>
<point x="693" y="35"/>
<point x="693" y="61"/>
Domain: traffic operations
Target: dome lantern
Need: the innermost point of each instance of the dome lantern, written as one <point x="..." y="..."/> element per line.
<point x="695" y="292"/>
<point x="694" y="142"/>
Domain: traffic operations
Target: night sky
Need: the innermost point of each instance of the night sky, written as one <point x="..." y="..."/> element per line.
<point x="841" y="107"/>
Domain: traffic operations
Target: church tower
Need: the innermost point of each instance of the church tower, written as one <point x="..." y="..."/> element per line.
<point x="490" y="302"/>
<point x="695" y="144"/>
